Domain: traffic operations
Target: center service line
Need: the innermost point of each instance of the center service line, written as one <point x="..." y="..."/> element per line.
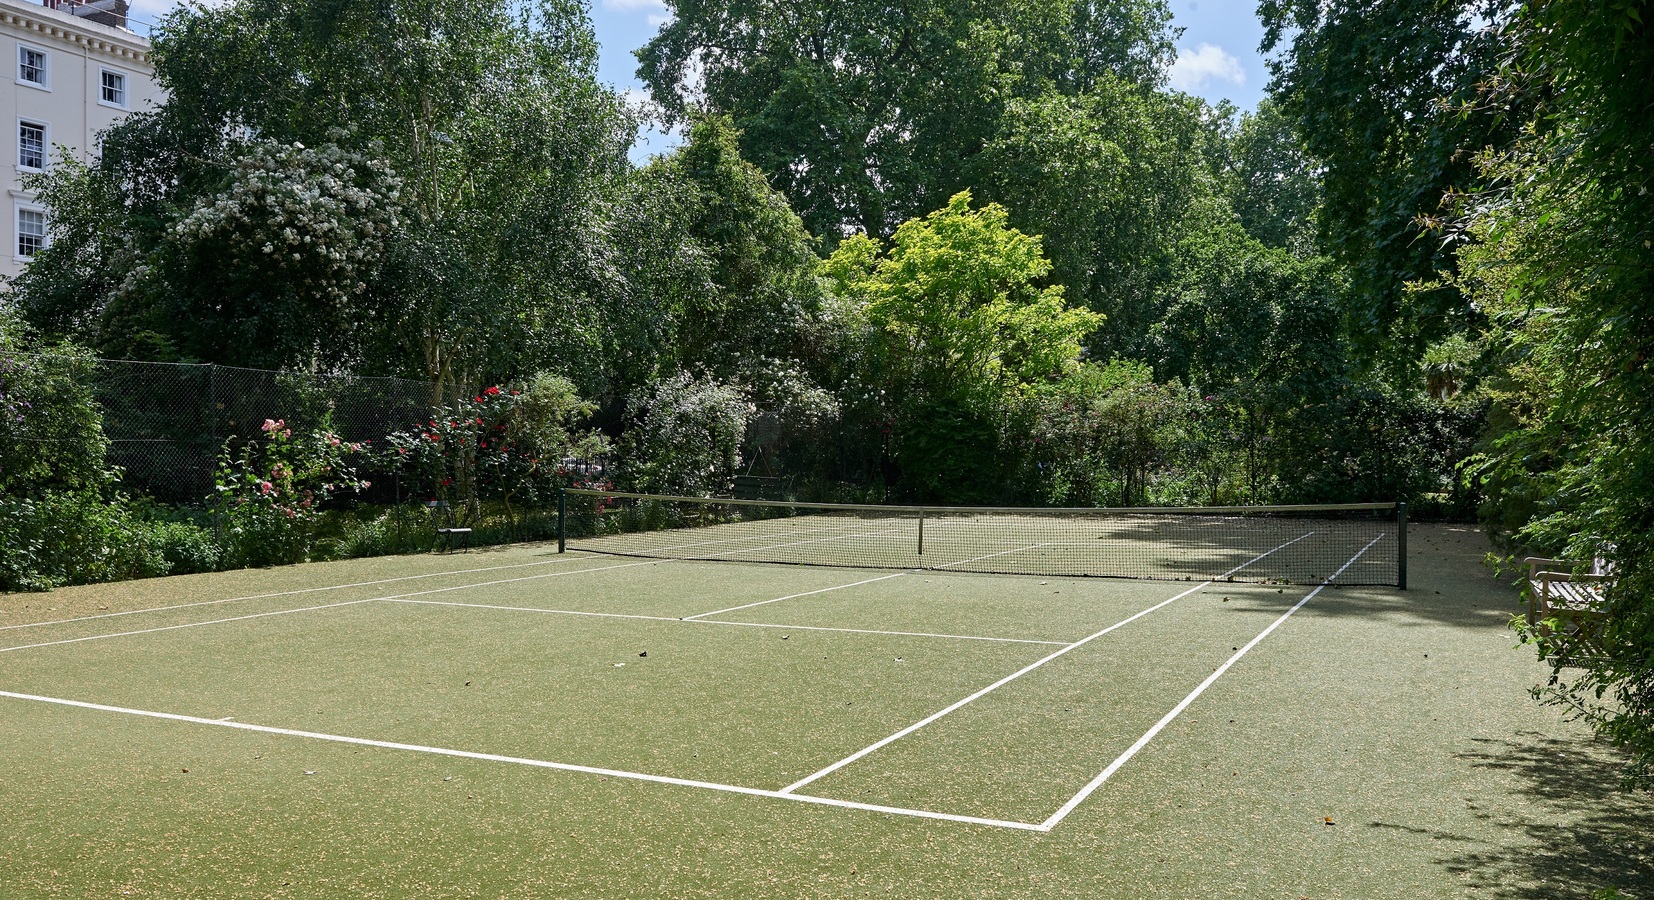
<point x="1018" y="674"/>
<point x="1183" y="704"/>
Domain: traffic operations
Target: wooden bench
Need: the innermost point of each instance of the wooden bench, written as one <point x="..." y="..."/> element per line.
<point x="758" y="487"/>
<point x="1565" y="605"/>
<point x="447" y="532"/>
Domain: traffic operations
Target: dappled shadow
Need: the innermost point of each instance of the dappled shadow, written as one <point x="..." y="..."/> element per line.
<point x="1581" y="835"/>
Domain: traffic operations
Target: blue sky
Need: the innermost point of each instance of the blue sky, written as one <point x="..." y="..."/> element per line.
<point x="1217" y="52"/>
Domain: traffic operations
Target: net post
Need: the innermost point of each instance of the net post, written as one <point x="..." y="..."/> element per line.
<point x="921" y="532"/>
<point x="562" y="519"/>
<point x="1401" y="545"/>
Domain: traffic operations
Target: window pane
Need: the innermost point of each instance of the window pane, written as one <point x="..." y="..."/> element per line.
<point x="31" y="232"/>
<point x="31" y="65"/>
<point x="31" y="145"/>
<point x="114" y="88"/>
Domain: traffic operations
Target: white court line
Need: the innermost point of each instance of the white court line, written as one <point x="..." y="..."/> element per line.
<point x="331" y="587"/>
<point x="924" y="634"/>
<point x="339" y="587"/>
<point x="600" y="615"/>
<point x="1183" y="704"/>
<point x="537" y="763"/>
<point x="793" y="596"/>
<point x="1015" y="675"/>
<point x="99" y="637"/>
<point x="991" y="555"/>
<point x="461" y="587"/>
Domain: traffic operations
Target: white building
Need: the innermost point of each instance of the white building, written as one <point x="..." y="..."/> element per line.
<point x="75" y="72"/>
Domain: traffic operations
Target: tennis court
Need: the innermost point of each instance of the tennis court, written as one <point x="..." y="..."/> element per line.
<point x="648" y="723"/>
<point x="923" y="693"/>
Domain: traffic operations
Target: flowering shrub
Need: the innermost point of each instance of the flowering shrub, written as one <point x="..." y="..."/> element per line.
<point x="686" y="436"/>
<point x="270" y="492"/>
<point x="502" y="444"/>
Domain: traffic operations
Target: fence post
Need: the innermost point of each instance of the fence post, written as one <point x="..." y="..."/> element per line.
<point x="212" y="437"/>
<point x="562" y="519"/>
<point x="1401" y="545"/>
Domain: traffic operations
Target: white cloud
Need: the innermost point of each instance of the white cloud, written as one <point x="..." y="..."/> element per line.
<point x="1196" y="69"/>
<point x="655" y="6"/>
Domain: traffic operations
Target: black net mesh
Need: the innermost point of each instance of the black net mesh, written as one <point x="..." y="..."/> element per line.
<point x="1360" y="544"/>
<point x="166" y="422"/>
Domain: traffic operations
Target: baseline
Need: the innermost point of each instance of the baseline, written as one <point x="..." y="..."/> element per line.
<point x="1091" y="787"/>
<point x="537" y="763"/>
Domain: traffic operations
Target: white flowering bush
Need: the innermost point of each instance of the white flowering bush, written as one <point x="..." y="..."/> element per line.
<point x="305" y="220"/>
<point x="685" y="437"/>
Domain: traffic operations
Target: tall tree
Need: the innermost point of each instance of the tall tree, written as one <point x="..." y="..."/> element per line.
<point x="864" y="114"/>
<point x="467" y="147"/>
<point x="1383" y="93"/>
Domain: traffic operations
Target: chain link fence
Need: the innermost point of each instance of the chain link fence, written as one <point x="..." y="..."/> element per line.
<point x="167" y="422"/>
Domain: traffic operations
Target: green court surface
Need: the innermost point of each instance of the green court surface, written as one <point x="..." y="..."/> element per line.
<point x="524" y="723"/>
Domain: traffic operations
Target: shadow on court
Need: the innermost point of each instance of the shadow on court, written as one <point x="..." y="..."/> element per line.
<point x="1578" y="835"/>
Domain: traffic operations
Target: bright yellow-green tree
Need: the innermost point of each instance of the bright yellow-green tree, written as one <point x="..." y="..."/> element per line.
<point x="957" y="323"/>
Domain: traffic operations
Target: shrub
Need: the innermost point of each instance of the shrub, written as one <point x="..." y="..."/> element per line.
<point x="51" y="430"/>
<point x="72" y="537"/>
<point x="685" y="436"/>
<point x="503" y="444"/>
<point x="269" y="494"/>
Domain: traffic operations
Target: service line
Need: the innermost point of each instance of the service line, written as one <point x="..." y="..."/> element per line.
<point x="1183" y="704"/>
<point x="773" y="625"/>
<point x="537" y="763"/>
<point x="1018" y="674"/>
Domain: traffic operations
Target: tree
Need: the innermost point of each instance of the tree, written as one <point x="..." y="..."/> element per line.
<point x="865" y="114"/>
<point x="1383" y="96"/>
<point x="1555" y="248"/>
<point x="1107" y="178"/>
<point x="458" y="162"/>
<point x="1271" y="182"/>
<point x="760" y="286"/>
<point x="960" y="327"/>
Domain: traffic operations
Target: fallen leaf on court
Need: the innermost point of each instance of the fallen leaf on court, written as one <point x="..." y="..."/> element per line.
<point x="186" y="770"/>
<point x="309" y="772"/>
<point x="1328" y="820"/>
<point x="644" y="653"/>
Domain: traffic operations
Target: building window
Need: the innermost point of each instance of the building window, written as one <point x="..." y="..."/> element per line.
<point x="31" y="66"/>
<point x="31" y="231"/>
<point x="31" y="145"/>
<point x="114" y="89"/>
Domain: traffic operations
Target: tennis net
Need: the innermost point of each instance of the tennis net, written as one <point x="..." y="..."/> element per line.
<point x="1264" y="544"/>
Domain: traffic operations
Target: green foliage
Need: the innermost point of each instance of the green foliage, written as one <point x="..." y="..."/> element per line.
<point x="685" y="436"/>
<point x="956" y="329"/>
<point x="502" y="444"/>
<point x="865" y="114"/>
<point x="1101" y="435"/>
<point x="1383" y="94"/>
<point x="1555" y="249"/>
<point x="437" y="175"/>
<point x="62" y="537"/>
<point x="1107" y="178"/>
<point x="1271" y="182"/>
<point x="51" y="430"/>
<point x="270" y="494"/>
